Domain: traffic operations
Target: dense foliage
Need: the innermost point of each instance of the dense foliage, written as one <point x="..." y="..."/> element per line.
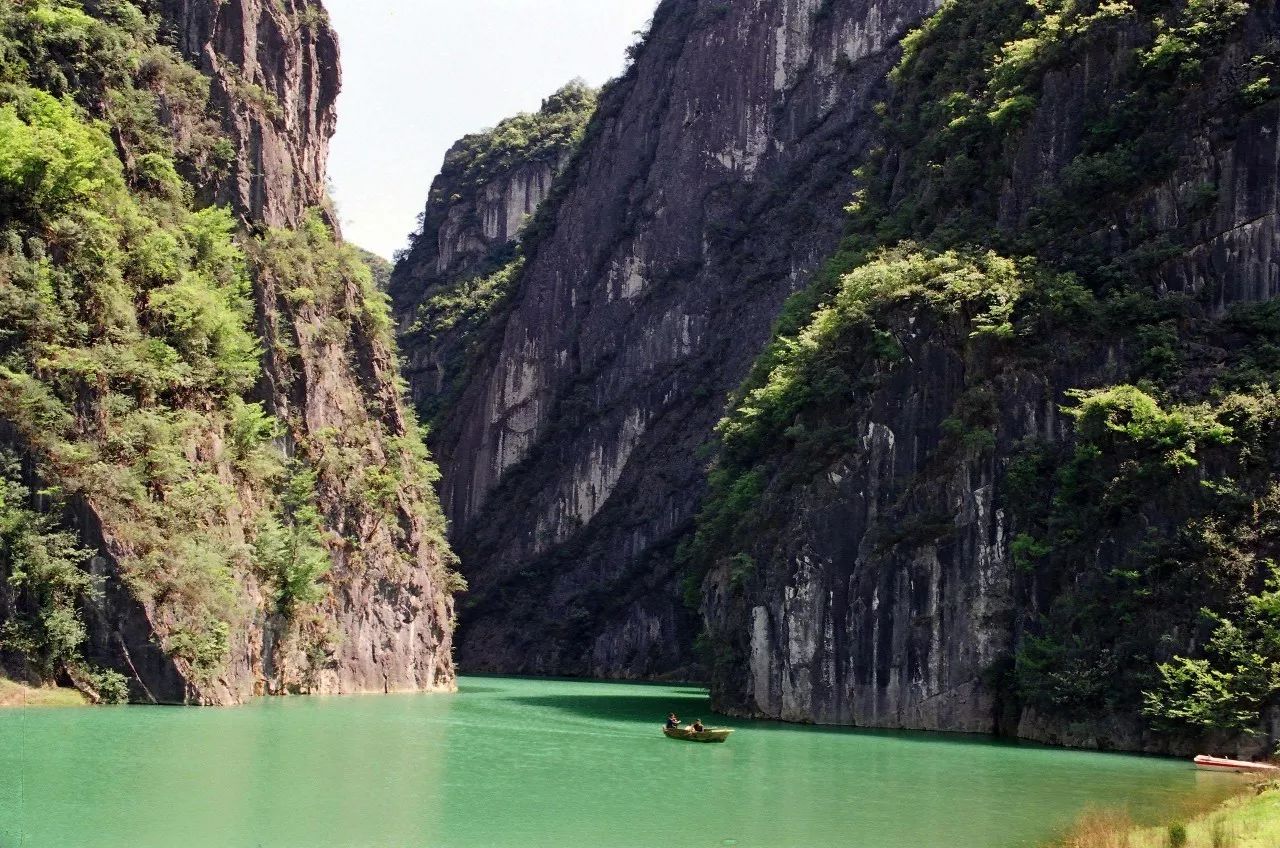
<point x="125" y="310"/>
<point x="548" y="134"/>
<point x="1160" y="504"/>
<point x="379" y="267"/>
<point x="45" y="580"/>
<point x="334" y="308"/>
<point x="129" y="347"/>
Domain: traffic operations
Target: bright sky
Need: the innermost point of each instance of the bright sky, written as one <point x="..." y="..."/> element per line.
<point x="420" y="74"/>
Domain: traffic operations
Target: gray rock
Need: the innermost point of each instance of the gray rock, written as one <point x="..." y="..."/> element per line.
<point x="710" y="187"/>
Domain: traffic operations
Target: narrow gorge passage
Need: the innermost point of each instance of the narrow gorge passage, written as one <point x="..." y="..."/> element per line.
<point x="889" y="364"/>
<point x="895" y="383"/>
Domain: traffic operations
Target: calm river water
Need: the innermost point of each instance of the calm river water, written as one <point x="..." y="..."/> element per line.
<point x="534" y="763"/>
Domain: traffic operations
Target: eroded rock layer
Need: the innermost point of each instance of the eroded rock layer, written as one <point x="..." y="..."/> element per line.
<point x="707" y="190"/>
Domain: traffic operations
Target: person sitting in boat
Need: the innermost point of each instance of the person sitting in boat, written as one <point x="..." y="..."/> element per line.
<point x="697" y="727"/>
<point x="672" y="721"/>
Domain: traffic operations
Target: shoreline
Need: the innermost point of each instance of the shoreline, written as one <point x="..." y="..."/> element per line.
<point x="14" y="695"/>
<point x="1249" y="818"/>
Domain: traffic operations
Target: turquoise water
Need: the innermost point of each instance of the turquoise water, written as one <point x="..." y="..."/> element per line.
<point x="533" y="763"/>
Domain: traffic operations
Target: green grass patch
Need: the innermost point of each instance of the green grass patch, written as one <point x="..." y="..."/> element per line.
<point x="14" y="694"/>
<point x="1250" y="820"/>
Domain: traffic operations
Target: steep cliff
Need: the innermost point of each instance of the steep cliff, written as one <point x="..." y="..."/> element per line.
<point x="1013" y="432"/>
<point x="708" y="188"/>
<point x="965" y="491"/>
<point x="213" y="408"/>
<point x="448" y="287"/>
<point x="275" y="80"/>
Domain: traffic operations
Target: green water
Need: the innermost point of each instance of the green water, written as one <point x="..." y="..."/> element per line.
<point x="531" y="763"/>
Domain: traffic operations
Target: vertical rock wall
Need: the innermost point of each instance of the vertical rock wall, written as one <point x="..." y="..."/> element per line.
<point x="385" y="623"/>
<point x="889" y="595"/>
<point x="276" y="77"/>
<point x="709" y="188"/>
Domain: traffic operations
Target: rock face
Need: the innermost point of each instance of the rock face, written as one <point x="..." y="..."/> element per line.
<point x="708" y="189"/>
<point x="383" y="617"/>
<point x="890" y="596"/>
<point x="858" y="628"/>
<point x="385" y="624"/>
<point x="473" y="237"/>
<point x="491" y="186"/>
<point x="389" y="604"/>
<point x="276" y="77"/>
<point x="469" y="231"/>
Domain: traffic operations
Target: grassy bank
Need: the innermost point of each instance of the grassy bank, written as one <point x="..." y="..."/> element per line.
<point x="17" y="695"/>
<point x="1250" y="820"/>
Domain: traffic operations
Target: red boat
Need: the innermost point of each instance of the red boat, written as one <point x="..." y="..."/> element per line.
<point x="1237" y="766"/>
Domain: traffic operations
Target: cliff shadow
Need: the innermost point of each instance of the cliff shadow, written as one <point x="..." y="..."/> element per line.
<point x="637" y="708"/>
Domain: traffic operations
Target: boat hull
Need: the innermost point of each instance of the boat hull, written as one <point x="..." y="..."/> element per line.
<point x="1207" y="763"/>
<point x="715" y="735"/>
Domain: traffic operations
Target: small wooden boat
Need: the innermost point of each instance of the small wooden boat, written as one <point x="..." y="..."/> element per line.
<point x="712" y="734"/>
<point x="1237" y="766"/>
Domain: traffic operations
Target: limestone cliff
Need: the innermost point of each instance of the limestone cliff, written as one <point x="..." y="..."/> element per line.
<point x="708" y="188"/>
<point x="240" y="463"/>
<point x="456" y="273"/>
<point x="1056" y="207"/>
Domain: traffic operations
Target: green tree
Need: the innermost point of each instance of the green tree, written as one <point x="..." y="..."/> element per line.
<point x="290" y="547"/>
<point x="1237" y="679"/>
<point x="44" y="571"/>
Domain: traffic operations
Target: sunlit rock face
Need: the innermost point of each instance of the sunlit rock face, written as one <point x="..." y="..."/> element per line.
<point x="386" y="620"/>
<point x="464" y="236"/>
<point x="460" y="232"/>
<point x="443" y="289"/>
<point x="276" y="78"/>
<point x="709" y="188"/>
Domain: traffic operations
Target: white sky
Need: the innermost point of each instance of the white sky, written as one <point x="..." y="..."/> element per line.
<point x="420" y="74"/>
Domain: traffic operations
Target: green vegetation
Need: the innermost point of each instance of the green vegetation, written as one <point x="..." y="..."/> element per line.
<point x="466" y="305"/>
<point x="374" y="465"/>
<point x="290" y="548"/>
<point x="1235" y="682"/>
<point x="1250" y="820"/>
<point x="319" y="276"/>
<point x="546" y="135"/>
<point x="1151" y="531"/>
<point x="969" y="83"/>
<point x="125" y="310"/>
<point x="379" y="267"/>
<point x="45" y="587"/>
<point x="1208" y="541"/>
<point x="808" y="367"/>
<point x="128" y="346"/>
<point x="789" y="414"/>
<point x="44" y="566"/>
<point x="463" y="311"/>
<point x="18" y="695"/>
